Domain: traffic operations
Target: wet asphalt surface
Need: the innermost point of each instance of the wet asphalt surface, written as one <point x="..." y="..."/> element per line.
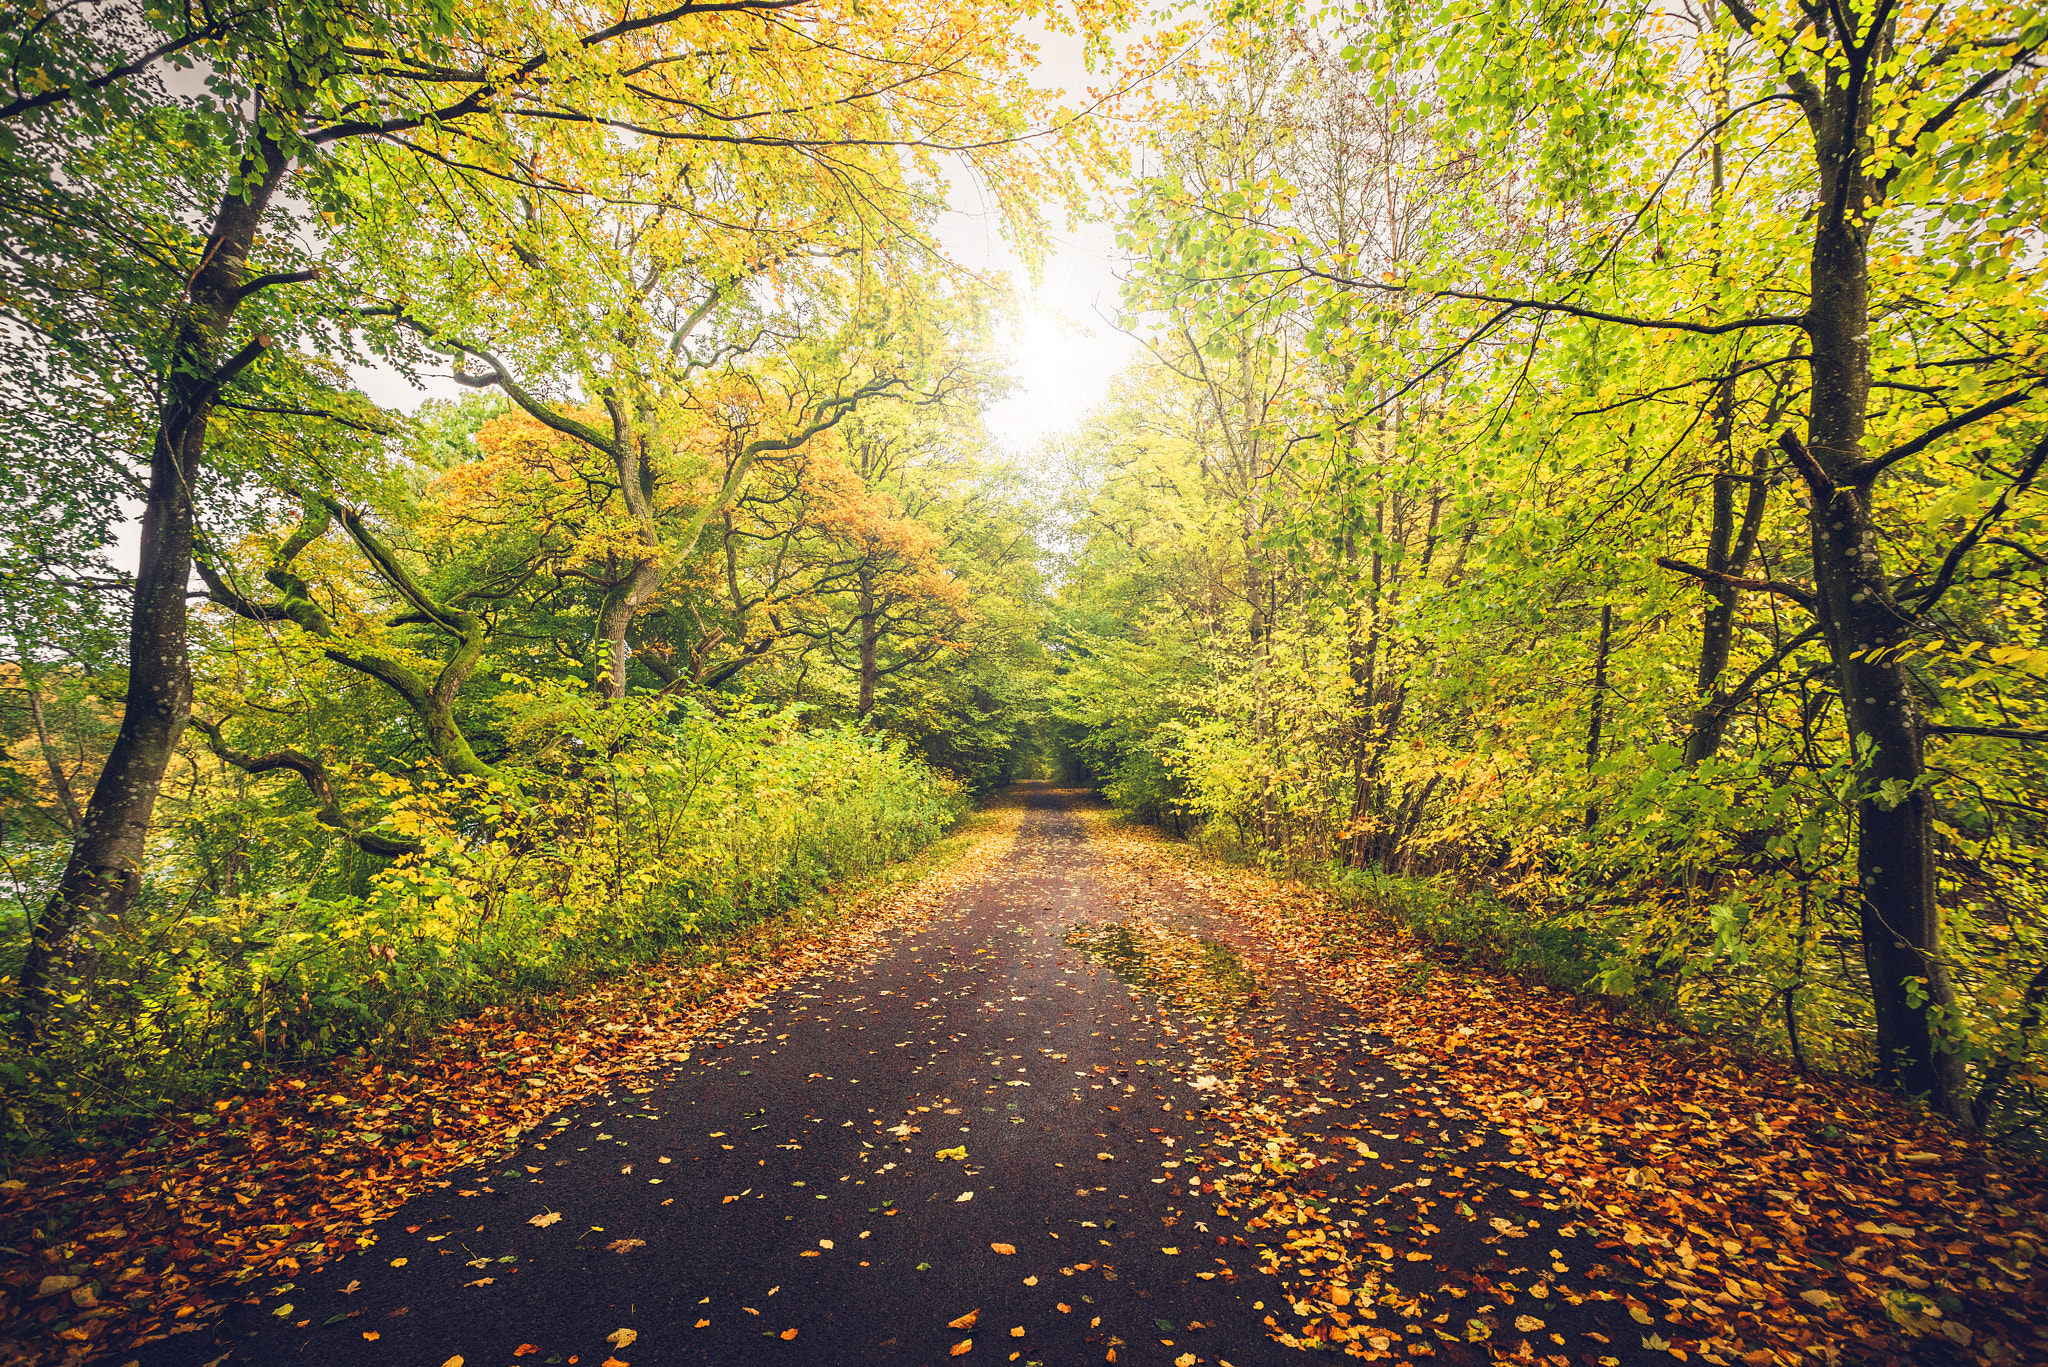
<point x="779" y="1196"/>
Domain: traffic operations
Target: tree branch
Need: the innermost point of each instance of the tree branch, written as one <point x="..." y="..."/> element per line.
<point x="264" y="282"/>
<point x="1570" y="310"/>
<point x="1818" y="482"/>
<point x="1995" y="732"/>
<point x="314" y="774"/>
<point x="1929" y="596"/>
<point x="1802" y="596"/>
<point x="1870" y="469"/>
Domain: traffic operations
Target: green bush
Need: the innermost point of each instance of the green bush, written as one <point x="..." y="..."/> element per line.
<point x="666" y="832"/>
<point x="1477" y="927"/>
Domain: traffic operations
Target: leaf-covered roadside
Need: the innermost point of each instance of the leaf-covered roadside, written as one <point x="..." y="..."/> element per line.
<point x="1751" y="1214"/>
<point x="109" y="1253"/>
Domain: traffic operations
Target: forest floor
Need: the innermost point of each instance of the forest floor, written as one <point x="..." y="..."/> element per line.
<point x="1075" y="1097"/>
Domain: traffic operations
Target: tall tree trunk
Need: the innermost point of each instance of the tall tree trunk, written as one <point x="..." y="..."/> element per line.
<point x="870" y="636"/>
<point x="649" y="568"/>
<point x="1597" y="724"/>
<point x="1895" y="860"/>
<point x="104" y="871"/>
<point x="60" y="782"/>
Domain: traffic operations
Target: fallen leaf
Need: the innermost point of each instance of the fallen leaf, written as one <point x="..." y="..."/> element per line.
<point x="455" y="1361"/>
<point x="1640" y="1315"/>
<point x="1005" y="1249"/>
<point x="789" y="1333"/>
<point x="701" y="1324"/>
<point x="963" y="1196"/>
<point x="1018" y="1332"/>
<point x="398" y="1262"/>
<point x="282" y="1310"/>
<point x="960" y="1153"/>
<point x="1528" y="1324"/>
<point x="622" y="1338"/>
<point x="961" y="1347"/>
<point x="552" y="1217"/>
<point x="371" y="1335"/>
<point x="1169" y="1250"/>
<point x="626" y="1245"/>
<point x="966" y="1321"/>
<point x="524" y="1349"/>
<point x="1106" y="1157"/>
<point x="481" y="1281"/>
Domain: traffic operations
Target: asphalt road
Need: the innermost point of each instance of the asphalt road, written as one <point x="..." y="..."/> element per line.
<point x="780" y="1196"/>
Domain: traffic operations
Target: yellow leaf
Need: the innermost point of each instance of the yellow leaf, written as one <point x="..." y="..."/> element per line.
<point x="1640" y="1315"/>
<point x="960" y="1153"/>
<point x="622" y="1338"/>
<point x="1005" y="1249"/>
<point x="455" y="1361"/>
<point x="372" y="1335"/>
<point x="1169" y="1250"/>
<point x="552" y="1217"/>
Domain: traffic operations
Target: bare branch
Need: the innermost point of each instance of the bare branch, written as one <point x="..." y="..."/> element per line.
<point x="1802" y="596"/>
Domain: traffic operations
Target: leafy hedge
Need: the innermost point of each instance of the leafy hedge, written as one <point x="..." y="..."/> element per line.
<point x="652" y="830"/>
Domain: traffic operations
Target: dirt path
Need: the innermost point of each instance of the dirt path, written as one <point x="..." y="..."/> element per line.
<point x="980" y="1119"/>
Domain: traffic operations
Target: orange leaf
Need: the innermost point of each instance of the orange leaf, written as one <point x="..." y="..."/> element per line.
<point x="789" y="1333"/>
<point x="957" y="1349"/>
<point x="966" y="1321"/>
<point x="1005" y="1249"/>
<point x="523" y="1349"/>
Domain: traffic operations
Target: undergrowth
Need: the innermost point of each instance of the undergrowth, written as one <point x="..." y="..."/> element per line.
<point x="687" y="842"/>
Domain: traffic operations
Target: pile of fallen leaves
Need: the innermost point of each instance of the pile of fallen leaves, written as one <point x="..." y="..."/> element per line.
<point x="109" y="1253"/>
<point x="1821" y="1219"/>
<point x="1199" y="977"/>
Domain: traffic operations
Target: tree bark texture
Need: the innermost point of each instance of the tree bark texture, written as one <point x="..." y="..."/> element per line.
<point x="1864" y="625"/>
<point x="104" y="871"/>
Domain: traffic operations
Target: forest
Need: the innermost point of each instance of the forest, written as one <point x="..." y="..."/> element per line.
<point x="1579" y="493"/>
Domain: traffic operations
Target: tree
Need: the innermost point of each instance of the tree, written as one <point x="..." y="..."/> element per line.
<point x="317" y="110"/>
<point x="1620" y="314"/>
